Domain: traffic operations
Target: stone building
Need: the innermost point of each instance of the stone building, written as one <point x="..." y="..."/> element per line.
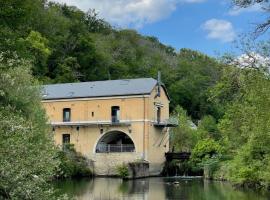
<point x="112" y="122"/>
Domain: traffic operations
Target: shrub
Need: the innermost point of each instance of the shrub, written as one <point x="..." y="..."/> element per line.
<point x="72" y="164"/>
<point x="206" y="149"/>
<point x="122" y="171"/>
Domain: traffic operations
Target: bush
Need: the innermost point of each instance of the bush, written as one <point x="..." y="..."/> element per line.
<point x="72" y="164"/>
<point x="206" y="149"/>
<point x="122" y="171"/>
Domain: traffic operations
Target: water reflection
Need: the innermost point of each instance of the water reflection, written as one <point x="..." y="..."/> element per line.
<point x="154" y="189"/>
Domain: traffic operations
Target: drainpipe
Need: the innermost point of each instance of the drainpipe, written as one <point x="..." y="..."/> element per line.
<point x="145" y="157"/>
<point x="144" y="128"/>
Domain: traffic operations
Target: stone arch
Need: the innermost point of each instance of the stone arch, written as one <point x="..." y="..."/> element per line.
<point x="114" y="141"/>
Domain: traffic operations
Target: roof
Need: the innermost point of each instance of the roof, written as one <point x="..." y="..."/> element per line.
<point x="99" y="88"/>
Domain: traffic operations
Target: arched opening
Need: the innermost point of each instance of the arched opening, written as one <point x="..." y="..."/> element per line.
<point x="115" y="141"/>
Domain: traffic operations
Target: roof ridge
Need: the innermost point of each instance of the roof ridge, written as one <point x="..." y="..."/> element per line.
<point x="99" y="88"/>
<point x="98" y="81"/>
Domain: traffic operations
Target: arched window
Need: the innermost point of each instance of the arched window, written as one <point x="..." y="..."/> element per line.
<point x="115" y="141"/>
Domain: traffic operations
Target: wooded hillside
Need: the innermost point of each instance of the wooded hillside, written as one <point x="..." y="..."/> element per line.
<point x="223" y="108"/>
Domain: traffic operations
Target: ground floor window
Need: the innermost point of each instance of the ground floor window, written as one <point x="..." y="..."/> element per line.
<point x="66" y="138"/>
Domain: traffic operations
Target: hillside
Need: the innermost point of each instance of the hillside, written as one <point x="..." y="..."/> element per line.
<point x="68" y="45"/>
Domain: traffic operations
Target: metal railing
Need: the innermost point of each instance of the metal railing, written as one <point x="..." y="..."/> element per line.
<point x="107" y="148"/>
<point x="173" y="121"/>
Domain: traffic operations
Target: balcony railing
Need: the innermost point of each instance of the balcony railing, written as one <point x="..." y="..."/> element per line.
<point x="114" y="148"/>
<point x="171" y="122"/>
<point x="115" y="122"/>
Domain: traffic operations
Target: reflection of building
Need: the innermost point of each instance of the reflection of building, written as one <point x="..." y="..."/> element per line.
<point x="111" y="122"/>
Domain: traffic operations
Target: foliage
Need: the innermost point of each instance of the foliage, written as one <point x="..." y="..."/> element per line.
<point x="122" y="171"/>
<point x="195" y="74"/>
<point x="68" y="45"/>
<point x="229" y="104"/>
<point x="26" y="147"/>
<point x="204" y="150"/>
<point x="72" y="164"/>
<point x="265" y="4"/>
<point x="245" y="127"/>
<point x="183" y="137"/>
<point x="208" y="128"/>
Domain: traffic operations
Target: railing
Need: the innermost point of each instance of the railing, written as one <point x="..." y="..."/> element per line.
<point x="171" y="122"/>
<point x="124" y="122"/>
<point x="107" y="148"/>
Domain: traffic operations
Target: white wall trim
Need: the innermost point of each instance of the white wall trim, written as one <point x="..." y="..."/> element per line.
<point x="98" y="122"/>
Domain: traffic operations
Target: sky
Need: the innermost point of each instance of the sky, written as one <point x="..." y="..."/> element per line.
<point x="209" y="26"/>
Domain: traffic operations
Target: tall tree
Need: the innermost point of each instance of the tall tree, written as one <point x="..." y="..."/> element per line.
<point x="26" y="146"/>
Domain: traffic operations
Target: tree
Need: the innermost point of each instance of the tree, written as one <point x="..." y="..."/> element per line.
<point x="183" y="137"/>
<point x="208" y="128"/>
<point x="245" y="127"/>
<point x="16" y="14"/>
<point x="263" y="27"/>
<point x="195" y="74"/>
<point x="26" y="146"/>
<point x="38" y="46"/>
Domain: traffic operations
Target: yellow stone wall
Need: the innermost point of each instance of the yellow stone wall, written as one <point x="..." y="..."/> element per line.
<point x="150" y="142"/>
<point x="158" y="138"/>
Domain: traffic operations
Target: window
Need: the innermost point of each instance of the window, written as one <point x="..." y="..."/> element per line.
<point x="66" y="139"/>
<point x="66" y="115"/>
<point x="93" y="114"/>
<point x="158" y="114"/>
<point x="115" y="114"/>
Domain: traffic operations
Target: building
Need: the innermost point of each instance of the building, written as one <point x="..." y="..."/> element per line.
<point x="112" y="122"/>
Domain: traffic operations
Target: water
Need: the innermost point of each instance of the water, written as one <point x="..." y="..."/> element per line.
<point x="154" y="189"/>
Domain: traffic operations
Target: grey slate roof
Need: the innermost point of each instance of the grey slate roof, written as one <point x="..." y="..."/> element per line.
<point x="99" y="88"/>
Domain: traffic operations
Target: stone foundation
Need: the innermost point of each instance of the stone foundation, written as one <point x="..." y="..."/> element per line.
<point x="138" y="169"/>
<point x="105" y="164"/>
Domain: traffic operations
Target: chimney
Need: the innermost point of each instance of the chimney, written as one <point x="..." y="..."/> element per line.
<point x="159" y="83"/>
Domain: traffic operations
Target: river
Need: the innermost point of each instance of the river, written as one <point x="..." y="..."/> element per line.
<point x="154" y="189"/>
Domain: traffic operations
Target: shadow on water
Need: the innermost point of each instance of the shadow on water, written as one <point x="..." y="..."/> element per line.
<point x="154" y="189"/>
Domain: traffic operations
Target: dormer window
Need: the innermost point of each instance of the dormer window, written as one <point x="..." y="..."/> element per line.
<point x="66" y="115"/>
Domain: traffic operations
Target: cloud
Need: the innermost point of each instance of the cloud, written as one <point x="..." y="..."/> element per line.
<point x="130" y="13"/>
<point x="219" y="29"/>
<point x="235" y="11"/>
<point x="193" y="1"/>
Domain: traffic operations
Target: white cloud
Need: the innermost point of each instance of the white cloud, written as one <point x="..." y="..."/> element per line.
<point x="235" y="11"/>
<point x="193" y="1"/>
<point x="130" y="13"/>
<point x="219" y="29"/>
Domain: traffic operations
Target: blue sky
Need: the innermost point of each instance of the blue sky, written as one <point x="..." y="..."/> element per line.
<point x="209" y="26"/>
<point x="185" y="27"/>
